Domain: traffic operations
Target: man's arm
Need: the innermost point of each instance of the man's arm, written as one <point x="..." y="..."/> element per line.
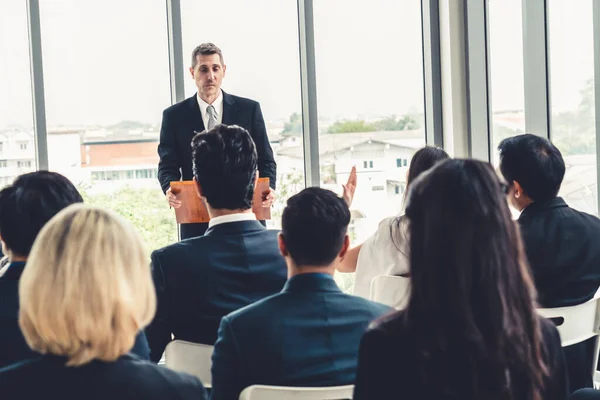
<point x="227" y="382"/>
<point x="267" y="168"/>
<point x="158" y="332"/>
<point x="169" y="164"/>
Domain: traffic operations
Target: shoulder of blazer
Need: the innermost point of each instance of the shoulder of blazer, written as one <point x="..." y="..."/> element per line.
<point x="183" y="106"/>
<point x="238" y="101"/>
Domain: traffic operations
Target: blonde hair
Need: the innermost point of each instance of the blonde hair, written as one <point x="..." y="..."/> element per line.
<point x="87" y="289"/>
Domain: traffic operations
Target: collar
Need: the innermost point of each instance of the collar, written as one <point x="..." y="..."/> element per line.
<point x="217" y="104"/>
<point x="314" y="282"/>
<point x="14" y="270"/>
<point x="536" y="206"/>
<point x="223" y="219"/>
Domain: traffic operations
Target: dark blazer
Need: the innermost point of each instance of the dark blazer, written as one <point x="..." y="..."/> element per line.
<point x="13" y="347"/>
<point x="307" y="335"/>
<point x="563" y="250"/>
<point x="128" y="378"/>
<point x="200" y="280"/>
<point x="181" y="120"/>
<point x="389" y="359"/>
<point x="586" y="394"/>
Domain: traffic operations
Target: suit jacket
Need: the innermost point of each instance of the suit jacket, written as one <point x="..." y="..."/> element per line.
<point x="563" y="249"/>
<point x="13" y="347"/>
<point x="181" y="120"/>
<point x="127" y="378"/>
<point x="307" y="335"/>
<point x="389" y="366"/>
<point x="200" y="280"/>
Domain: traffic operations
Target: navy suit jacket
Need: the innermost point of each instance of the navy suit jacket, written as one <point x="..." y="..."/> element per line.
<point x="127" y="378"/>
<point x="181" y="120"/>
<point x="199" y="280"/>
<point x="13" y="347"/>
<point x="307" y="335"/>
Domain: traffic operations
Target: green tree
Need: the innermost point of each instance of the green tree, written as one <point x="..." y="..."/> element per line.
<point x="392" y="123"/>
<point x="348" y="126"/>
<point x="293" y="126"/>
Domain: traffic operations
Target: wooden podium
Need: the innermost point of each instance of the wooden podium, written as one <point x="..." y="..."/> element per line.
<point x="192" y="209"/>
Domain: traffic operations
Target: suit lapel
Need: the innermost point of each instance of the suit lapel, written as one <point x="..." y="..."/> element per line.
<point x="195" y="116"/>
<point x="229" y="109"/>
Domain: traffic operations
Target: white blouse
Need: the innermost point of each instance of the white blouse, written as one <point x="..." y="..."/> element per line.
<point x="383" y="253"/>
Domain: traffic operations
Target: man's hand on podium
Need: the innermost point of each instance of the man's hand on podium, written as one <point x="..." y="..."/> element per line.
<point x="172" y="199"/>
<point x="268" y="198"/>
<point x="350" y="187"/>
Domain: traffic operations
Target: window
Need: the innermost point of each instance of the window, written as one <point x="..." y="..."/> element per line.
<point x="269" y="75"/>
<point x="23" y="164"/>
<point x="23" y="145"/>
<point x="381" y="127"/>
<point x="106" y="76"/>
<point x="16" y="117"/>
<point x="405" y="162"/>
<point x="507" y="92"/>
<point x="396" y="189"/>
<point x="571" y="50"/>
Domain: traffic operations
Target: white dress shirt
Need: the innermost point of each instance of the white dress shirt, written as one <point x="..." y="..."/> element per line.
<point x="223" y="219"/>
<point x="217" y="104"/>
<point x="379" y="255"/>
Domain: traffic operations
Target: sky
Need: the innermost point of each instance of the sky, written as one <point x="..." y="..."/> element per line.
<point x="107" y="61"/>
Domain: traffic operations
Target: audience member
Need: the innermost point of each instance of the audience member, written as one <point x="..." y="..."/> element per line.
<point x="86" y="292"/>
<point x="562" y="244"/>
<point x="236" y="262"/>
<point x="470" y="330"/>
<point x="25" y="206"/>
<point x="386" y="251"/>
<point x="586" y="394"/>
<point x="308" y="334"/>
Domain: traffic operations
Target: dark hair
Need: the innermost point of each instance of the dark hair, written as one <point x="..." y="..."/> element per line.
<point x="535" y="163"/>
<point x="472" y="298"/>
<point x="224" y="163"/>
<point x="206" y="49"/>
<point x="314" y="225"/>
<point x="31" y="201"/>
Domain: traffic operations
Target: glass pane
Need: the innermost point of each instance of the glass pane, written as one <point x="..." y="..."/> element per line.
<point x="371" y="101"/>
<point x="262" y="59"/>
<point x="506" y="65"/>
<point x="107" y="81"/>
<point x="17" y="146"/>
<point x="572" y="91"/>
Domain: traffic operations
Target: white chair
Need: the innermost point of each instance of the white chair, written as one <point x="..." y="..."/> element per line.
<point x="392" y="291"/>
<point x="192" y="358"/>
<point x="262" y="392"/>
<point x="576" y="324"/>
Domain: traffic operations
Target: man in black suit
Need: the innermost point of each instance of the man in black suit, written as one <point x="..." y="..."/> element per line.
<point x="562" y="244"/>
<point x="307" y="335"/>
<point x="237" y="261"/>
<point x="25" y="207"/>
<point x="209" y="107"/>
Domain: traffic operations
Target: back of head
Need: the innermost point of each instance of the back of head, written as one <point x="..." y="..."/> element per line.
<point x="87" y="290"/>
<point x="423" y="160"/>
<point x="471" y="288"/>
<point x="314" y="225"/>
<point x="225" y="165"/>
<point x="535" y="163"/>
<point x="27" y="204"/>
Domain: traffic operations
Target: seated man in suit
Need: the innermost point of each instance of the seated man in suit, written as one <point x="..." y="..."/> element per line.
<point x="236" y="262"/>
<point x="307" y="335"/>
<point x="25" y="207"/>
<point x="562" y="244"/>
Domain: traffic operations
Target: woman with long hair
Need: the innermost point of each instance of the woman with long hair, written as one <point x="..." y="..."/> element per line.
<point x="470" y="329"/>
<point x="386" y="252"/>
<point x="84" y="295"/>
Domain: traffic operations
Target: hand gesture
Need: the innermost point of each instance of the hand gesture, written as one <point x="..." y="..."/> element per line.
<point x="350" y="187"/>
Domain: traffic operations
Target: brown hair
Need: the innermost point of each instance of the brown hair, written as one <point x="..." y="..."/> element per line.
<point x="206" y="49"/>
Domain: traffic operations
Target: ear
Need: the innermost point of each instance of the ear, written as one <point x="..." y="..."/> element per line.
<point x="518" y="190"/>
<point x="345" y="247"/>
<point x="192" y="71"/>
<point x="282" y="247"/>
<point x="224" y="70"/>
<point x="198" y="187"/>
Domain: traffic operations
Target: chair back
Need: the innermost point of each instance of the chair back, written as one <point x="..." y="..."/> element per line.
<point x="576" y="324"/>
<point x="192" y="358"/>
<point x="263" y="392"/>
<point x="392" y="291"/>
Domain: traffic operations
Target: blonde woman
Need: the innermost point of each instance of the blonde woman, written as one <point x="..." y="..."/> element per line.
<point x="85" y="294"/>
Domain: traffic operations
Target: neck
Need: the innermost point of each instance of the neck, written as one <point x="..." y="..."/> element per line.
<point x="219" y="212"/>
<point x="294" y="270"/>
<point x="524" y="204"/>
<point x="209" y="99"/>
<point x="17" y="258"/>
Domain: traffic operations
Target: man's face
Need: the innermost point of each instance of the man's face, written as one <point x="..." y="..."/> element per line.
<point x="208" y="74"/>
